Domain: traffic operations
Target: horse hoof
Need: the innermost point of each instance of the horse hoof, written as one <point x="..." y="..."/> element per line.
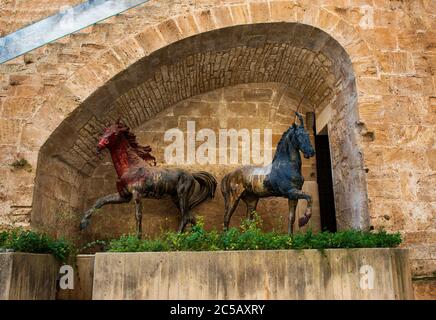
<point x="303" y="221"/>
<point x="84" y="224"/>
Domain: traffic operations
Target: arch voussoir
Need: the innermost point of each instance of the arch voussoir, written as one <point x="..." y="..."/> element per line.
<point x="240" y="14"/>
<point x="222" y="17"/>
<point x="187" y="25"/>
<point x="204" y="20"/>
<point x="259" y="12"/>
<point x="150" y="40"/>
<point x="129" y="51"/>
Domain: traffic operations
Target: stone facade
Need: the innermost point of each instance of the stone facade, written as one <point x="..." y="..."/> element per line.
<point x="371" y="62"/>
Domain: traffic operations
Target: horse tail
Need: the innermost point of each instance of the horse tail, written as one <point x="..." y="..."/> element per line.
<point x="208" y="186"/>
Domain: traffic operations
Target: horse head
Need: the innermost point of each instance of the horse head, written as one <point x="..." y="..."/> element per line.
<point x="302" y="138"/>
<point x="111" y="135"/>
<point x="118" y="130"/>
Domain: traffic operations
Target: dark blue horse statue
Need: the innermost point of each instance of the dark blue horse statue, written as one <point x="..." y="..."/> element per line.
<point x="281" y="178"/>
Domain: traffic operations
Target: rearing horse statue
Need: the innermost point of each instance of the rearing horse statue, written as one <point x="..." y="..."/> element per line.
<point x="281" y="178"/>
<point x="137" y="179"/>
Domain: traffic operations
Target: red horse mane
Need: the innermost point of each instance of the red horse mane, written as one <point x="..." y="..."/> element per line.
<point x="142" y="151"/>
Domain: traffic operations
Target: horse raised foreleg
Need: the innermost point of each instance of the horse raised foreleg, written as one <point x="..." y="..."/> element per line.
<point x="295" y="194"/>
<point x="138" y="213"/>
<point x="292" y="204"/>
<point x="109" y="199"/>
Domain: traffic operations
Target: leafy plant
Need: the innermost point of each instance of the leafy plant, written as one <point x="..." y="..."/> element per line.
<point x="22" y="164"/>
<point x="249" y="236"/>
<point x="94" y="246"/>
<point x="33" y="242"/>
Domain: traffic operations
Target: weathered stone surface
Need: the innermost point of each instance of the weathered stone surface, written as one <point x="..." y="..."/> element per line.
<point x="324" y="275"/>
<point x="27" y="276"/>
<point x="424" y="289"/>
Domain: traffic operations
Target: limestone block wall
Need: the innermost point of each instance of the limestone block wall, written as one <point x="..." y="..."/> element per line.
<point x="61" y="194"/>
<point x="391" y="46"/>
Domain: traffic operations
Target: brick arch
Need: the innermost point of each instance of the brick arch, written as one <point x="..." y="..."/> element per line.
<point x="120" y="56"/>
<point x="115" y="81"/>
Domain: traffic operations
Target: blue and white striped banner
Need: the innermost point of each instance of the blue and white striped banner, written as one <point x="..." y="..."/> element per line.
<point x="69" y="20"/>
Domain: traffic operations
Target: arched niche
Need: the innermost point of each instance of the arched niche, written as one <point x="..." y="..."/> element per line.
<point x="311" y="65"/>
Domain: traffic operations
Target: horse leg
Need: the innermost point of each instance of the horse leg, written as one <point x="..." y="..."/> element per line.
<point x="138" y="213"/>
<point x="292" y="204"/>
<point x="114" y="198"/>
<point x="251" y="203"/>
<point x="296" y="194"/>
<point x="183" y="208"/>
<point x="190" y="215"/>
<point x="231" y="196"/>
<point x="230" y="209"/>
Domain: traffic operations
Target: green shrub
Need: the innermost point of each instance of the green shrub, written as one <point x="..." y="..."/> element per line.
<point x="346" y="239"/>
<point x="28" y="241"/>
<point x="249" y="236"/>
<point x="3" y="238"/>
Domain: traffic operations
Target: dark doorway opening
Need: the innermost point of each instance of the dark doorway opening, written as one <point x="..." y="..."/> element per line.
<point x="325" y="183"/>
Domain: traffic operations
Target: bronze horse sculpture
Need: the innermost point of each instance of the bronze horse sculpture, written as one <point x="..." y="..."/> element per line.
<point x="282" y="178"/>
<point x="137" y="179"/>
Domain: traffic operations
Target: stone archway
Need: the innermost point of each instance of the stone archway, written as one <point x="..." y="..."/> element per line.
<point x="305" y="59"/>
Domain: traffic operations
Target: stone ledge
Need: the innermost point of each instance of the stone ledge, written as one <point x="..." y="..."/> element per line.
<point x="281" y="274"/>
<point x="28" y="276"/>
